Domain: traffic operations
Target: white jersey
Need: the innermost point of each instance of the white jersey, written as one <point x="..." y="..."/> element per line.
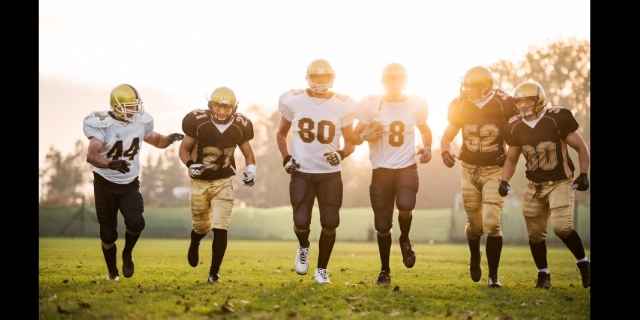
<point x="316" y="127"/>
<point x="122" y="141"/>
<point x="396" y="149"/>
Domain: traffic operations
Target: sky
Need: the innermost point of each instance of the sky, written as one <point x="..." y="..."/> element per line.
<point x="261" y="49"/>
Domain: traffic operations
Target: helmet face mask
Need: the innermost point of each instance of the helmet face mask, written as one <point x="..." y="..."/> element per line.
<point x="222" y="105"/>
<point x="320" y="76"/>
<point x="221" y="112"/>
<point x="125" y="102"/>
<point x="530" y="99"/>
<point x="476" y="84"/>
<point x="394" y="79"/>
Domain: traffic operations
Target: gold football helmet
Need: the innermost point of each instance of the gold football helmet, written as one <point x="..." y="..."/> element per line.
<point x="125" y="102"/>
<point x="530" y="98"/>
<point x="394" y="78"/>
<point x="476" y="84"/>
<point x="320" y="76"/>
<point x="223" y="104"/>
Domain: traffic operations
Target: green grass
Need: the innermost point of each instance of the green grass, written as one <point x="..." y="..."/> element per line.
<point x="258" y="282"/>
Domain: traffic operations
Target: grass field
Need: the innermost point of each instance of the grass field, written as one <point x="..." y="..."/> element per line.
<point x="258" y="282"/>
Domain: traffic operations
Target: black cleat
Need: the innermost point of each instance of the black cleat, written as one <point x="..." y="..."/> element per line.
<point x="192" y="256"/>
<point x="113" y="276"/>
<point x="384" y="278"/>
<point x="494" y="283"/>
<point x="213" y="278"/>
<point x="408" y="256"/>
<point x="474" y="268"/>
<point x="544" y="280"/>
<point x="127" y="265"/>
<point x="585" y="273"/>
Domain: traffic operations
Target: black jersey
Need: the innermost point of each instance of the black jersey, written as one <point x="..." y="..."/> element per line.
<point x="483" y="128"/>
<point x="213" y="148"/>
<point x="544" y="145"/>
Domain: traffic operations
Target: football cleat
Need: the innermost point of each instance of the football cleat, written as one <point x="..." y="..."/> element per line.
<point x="408" y="256"/>
<point x="127" y="265"/>
<point x="322" y="276"/>
<point x="474" y="268"/>
<point x="113" y="277"/>
<point x="213" y="278"/>
<point x="384" y="278"/>
<point x="585" y="273"/>
<point x="494" y="283"/>
<point x="192" y="255"/>
<point x="302" y="260"/>
<point x="544" y="280"/>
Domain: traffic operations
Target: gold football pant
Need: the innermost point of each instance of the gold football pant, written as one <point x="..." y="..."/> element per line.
<point x="211" y="204"/>
<point x="481" y="199"/>
<point x="553" y="201"/>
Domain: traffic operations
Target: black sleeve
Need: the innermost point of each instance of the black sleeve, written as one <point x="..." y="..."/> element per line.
<point x="189" y="125"/>
<point x="455" y="118"/>
<point x="566" y="122"/>
<point x="509" y="135"/>
<point x="246" y="127"/>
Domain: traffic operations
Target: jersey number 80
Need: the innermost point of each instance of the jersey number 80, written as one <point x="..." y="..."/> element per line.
<point x="326" y="131"/>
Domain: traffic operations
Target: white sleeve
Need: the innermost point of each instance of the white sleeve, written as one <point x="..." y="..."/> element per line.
<point x="422" y="111"/>
<point x="364" y="111"/>
<point x="147" y="121"/>
<point x="350" y="113"/>
<point x="284" y="108"/>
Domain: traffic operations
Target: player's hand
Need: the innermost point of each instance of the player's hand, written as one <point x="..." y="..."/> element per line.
<point x="425" y="155"/>
<point x="504" y="188"/>
<point x="581" y="183"/>
<point x="175" y="137"/>
<point x="373" y="132"/>
<point x="333" y="158"/>
<point x="119" y="165"/>
<point x="196" y="170"/>
<point x="448" y="159"/>
<point x="290" y="165"/>
<point x="249" y="175"/>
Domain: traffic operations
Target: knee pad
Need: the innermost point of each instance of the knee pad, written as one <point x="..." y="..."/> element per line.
<point x="537" y="237"/>
<point x="406" y="199"/>
<point x="330" y="217"/>
<point x="383" y="226"/>
<point x="328" y="231"/>
<point x="562" y="231"/>
<point x="473" y="231"/>
<point x="384" y="233"/>
<point x="136" y="225"/>
<point x="108" y="236"/>
<point x="202" y="227"/>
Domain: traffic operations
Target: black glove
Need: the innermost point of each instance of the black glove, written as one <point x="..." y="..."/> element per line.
<point x="175" y="137"/>
<point x="581" y="183"/>
<point x="448" y="159"/>
<point x="119" y="165"/>
<point x="333" y="158"/>
<point x="504" y="188"/>
<point x="290" y="165"/>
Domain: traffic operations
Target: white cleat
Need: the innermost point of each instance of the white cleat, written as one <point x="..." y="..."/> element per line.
<point x="302" y="261"/>
<point x="322" y="276"/>
<point x="115" y="278"/>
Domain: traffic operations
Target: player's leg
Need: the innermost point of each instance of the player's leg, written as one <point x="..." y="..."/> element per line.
<point x="561" y="207"/>
<point x="329" y="193"/>
<point x="132" y="208"/>
<point x="200" y="217"/>
<point x="491" y="223"/>
<point x="406" y="189"/>
<point x="107" y="213"/>
<point x="302" y="196"/>
<point x="381" y="193"/>
<point x="472" y="201"/>
<point x="536" y="213"/>
<point x="222" y="205"/>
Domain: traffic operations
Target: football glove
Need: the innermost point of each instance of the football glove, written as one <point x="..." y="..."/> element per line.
<point x="119" y="165"/>
<point x="333" y="158"/>
<point x="196" y="170"/>
<point x="425" y="155"/>
<point x="373" y="132"/>
<point x="290" y="165"/>
<point x="448" y="159"/>
<point x="249" y="175"/>
<point x="175" y="137"/>
<point x="581" y="183"/>
<point x="504" y="188"/>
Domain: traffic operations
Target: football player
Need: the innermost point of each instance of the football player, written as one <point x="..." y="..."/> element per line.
<point x="387" y="122"/>
<point x="318" y="118"/>
<point x="482" y="113"/>
<point x="542" y="134"/>
<point x="211" y="137"/>
<point x="115" y="140"/>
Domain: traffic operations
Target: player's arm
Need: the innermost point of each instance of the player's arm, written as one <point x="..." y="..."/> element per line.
<point x="350" y="141"/>
<point x="425" y="132"/>
<point x="94" y="157"/>
<point x="161" y="141"/>
<point x="445" y="145"/>
<point x="247" y="152"/>
<point x="576" y="141"/>
<point x="281" y="137"/>
<point x="185" y="149"/>
<point x="510" y="163"/>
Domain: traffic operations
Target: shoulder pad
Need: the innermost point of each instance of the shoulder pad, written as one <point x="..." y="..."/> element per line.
<point x="198" y="114"/>
<point x="98" y="119"/>
<point x="557" y="109"/>
<point x="292" y="92"/>
<point x="514" y="119"/>
<point x="343" y="98"/>
<point x="144" y="117"/>
<point x="241" y="119"/>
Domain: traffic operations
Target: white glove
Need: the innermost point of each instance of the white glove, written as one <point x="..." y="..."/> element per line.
<point x="249" y="175"/>
<point x="333" y="158"/>
<point x="196" y="170"/>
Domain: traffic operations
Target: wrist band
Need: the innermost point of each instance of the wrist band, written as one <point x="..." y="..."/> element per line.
<point x="189" y="163"/>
